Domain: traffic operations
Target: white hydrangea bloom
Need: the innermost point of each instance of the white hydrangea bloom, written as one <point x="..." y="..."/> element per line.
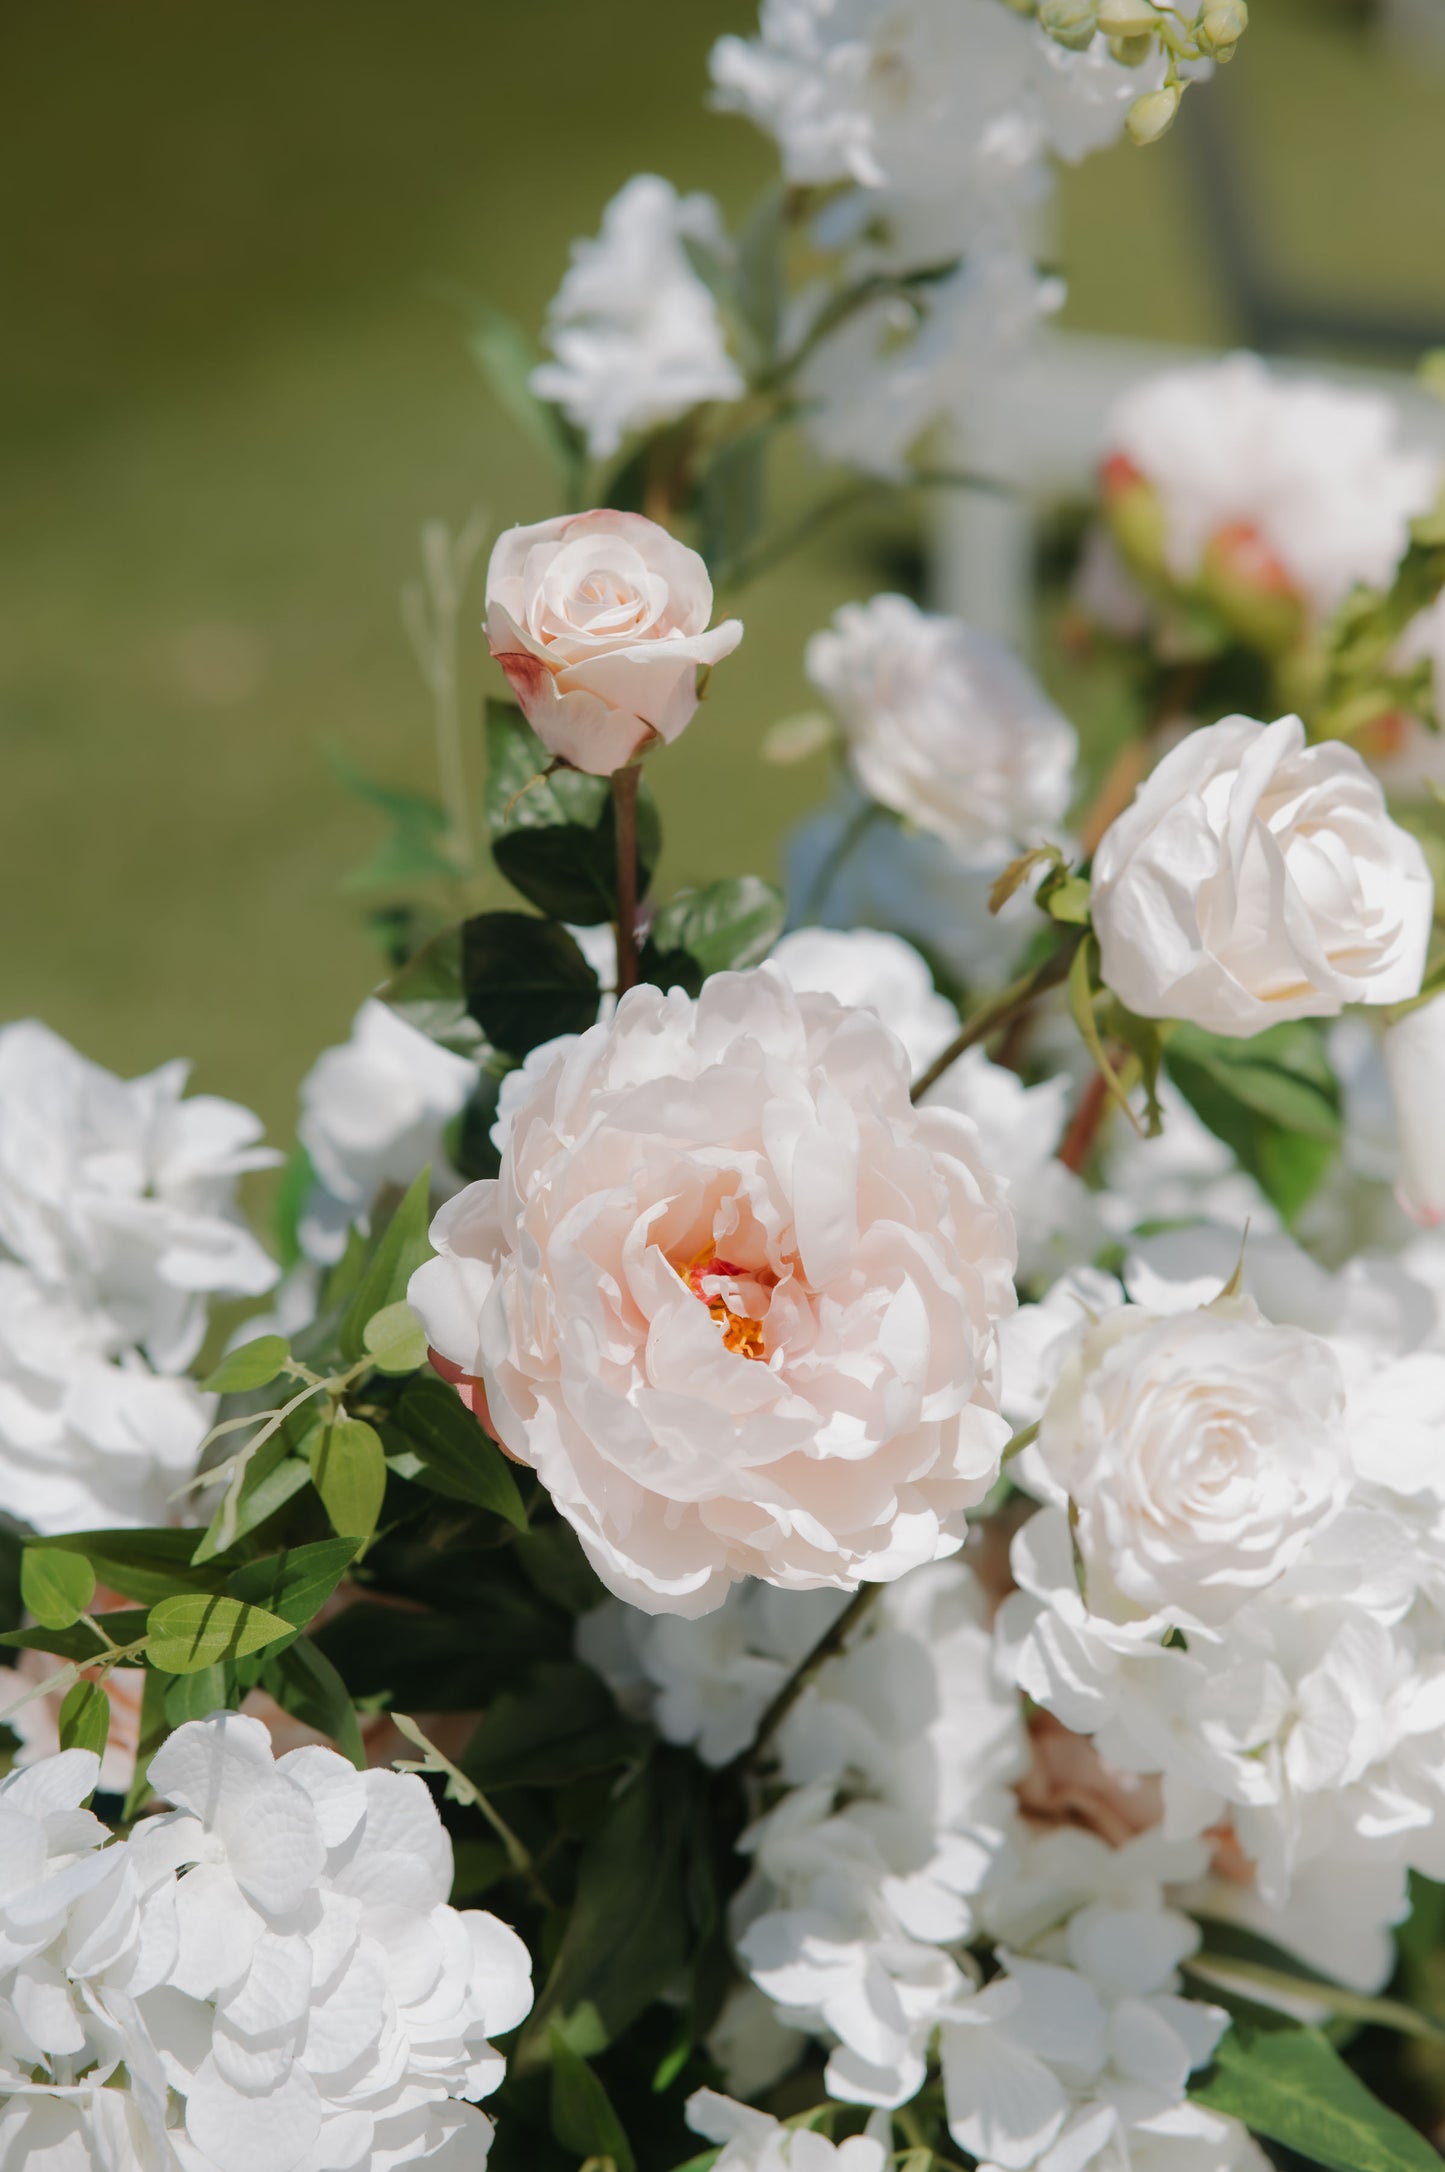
<point x="945" y="726"/>
<point x="273" y="1961"/>
<point x="898" y="1762"/>
<point x="122" y="1194"/>
<point x="1308" y="472"/>
<point x="635" y="331"/>
<point x="374" y="1113"/>
<point x="1070" y="2050"/>
<point x="754" y="2141"/>
<point x="90" y="1437"/>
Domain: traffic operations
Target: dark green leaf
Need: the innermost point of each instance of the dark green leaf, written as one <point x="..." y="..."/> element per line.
<point x="141" y="1565"/>
<point x="349" y="1473"/>
<point x="79" y="1641"/>
<point x="1292" y="2086"/>
<point x="400" y="1250"/>
<point x="1273" y="1100"/>
<point x="469" y="1145"/>
<point x="460" y="1460"/>
<point x="582" y="2115"/>
<point x="56" y="1587"/>
<point x="526" y="980"/>
<point x="551" y="1557"/>
<point x="12" y="1546"/>
<point x="295" y="1584"/>
<point x="196" y="1696"/>
<point x="304" y="1683"/>
<point x="626" y="1936"/>
<point x="553" y="830"/>
<point x="558" y="1724"/>
<point x="428" y="993"/>
<point x="153" y="1731"/>
<point x="274" y="1476"/>
<point x="85" y="1718"/>
<point x="725" y="928"/>
<point x="194" y="1632"/>
<point x="254" y="1365"/>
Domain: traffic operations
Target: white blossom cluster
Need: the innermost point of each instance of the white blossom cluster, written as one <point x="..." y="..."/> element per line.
<point x="118" y="1222"/>
<point x="265" y="1978"/>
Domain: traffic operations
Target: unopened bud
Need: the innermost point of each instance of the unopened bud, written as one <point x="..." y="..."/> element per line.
<point x="1070" y="22"/>
<point x="1151" y="115"/>
<point x="1221" y="27"/>
<point x="1131" y="52"/>
<point x="1128" y="18"/>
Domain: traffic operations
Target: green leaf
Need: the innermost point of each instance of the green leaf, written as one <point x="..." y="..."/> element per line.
<point x="141" y="1565"/>
<point x="295" y="1584"/>
<point x="758" y="286"/>
<point x="153" y="1731"/>
<point x="1273" y="1100"/>
<point x="349" y="1473"/>
<point x="254" y="1365"/>
<point x="400" y="1250"/>
<point x="428" y="993"/>
<point x="1292" y="2086"/>
<point x="56" y="1587"/>
<point x="193" y="1632"/>
<point x="470" y="1147"/>
<point x="626" y="1936"/>
<point x="506" y="358"/>
<point x="395" y="1339"/>
<point x="550" y="1556"/>
<point x="196" y="1696"/>
<point x="731" y="501"/>
<point x="553" y="830"/>
<point x="558" y="1724"/>
<point x="85" y="1718"/>
<point x="724" y="928"/>
<point x="274" y="1476"/>
<point x="304" y="1683"/>
<point x="460" y="1460"/>
<point x="582" y="2115"/>
<point x="80" y="1641"/>
<point x="526" y="980"/>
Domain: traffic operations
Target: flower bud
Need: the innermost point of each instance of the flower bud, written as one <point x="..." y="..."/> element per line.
<point x="1251" y="589"/>
<point x="1136" y="515"/>
<point x="1221" y="27"/>
<point x="1128" y="18"/>
<point x="1151" y="115"/>
<point x="1070" y="22"/>
<point x="1131" y="52"/>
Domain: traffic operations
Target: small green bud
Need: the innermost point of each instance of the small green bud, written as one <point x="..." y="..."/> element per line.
<point x="1128" y="18"/>
<point x="1131" y="52"/>
<point x="1070" y="22"/>
<point x="1151" y="115"/>
<point x="1221" y="26"/>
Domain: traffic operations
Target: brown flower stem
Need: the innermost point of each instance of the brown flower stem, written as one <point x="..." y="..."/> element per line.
<point x="807" y="1671"/>
<point x="1001" y="1010"/>
<point x="624" y="803"/>
<point x="1078" y="1141"/>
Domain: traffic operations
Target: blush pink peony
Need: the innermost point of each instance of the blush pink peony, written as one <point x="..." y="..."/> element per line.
<point x="732" y="1297"/>
<point x="600" y="621"/>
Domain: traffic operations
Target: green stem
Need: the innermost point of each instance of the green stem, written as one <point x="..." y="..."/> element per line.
<point x="624" y="800"/>
<point x="1001" y="1010"/>
<point x="808" y="1669"/>
<point x="834" y="862"/>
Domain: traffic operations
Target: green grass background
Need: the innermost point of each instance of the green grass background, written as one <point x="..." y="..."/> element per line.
<point x="232" y="387"/>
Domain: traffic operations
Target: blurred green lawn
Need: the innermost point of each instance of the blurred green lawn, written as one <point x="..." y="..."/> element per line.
<point x="232" y="387"/>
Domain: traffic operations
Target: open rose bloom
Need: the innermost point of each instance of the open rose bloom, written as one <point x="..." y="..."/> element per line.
<point x="600" y="621"/>
<point x="732" y="1297"/>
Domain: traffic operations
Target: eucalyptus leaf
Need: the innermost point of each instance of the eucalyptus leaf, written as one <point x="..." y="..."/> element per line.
<point x="349" y="1472"/>
<point x="253" y="1365"/>
<point x="295" y="1584"/>
<point x="395" y="1339"/>
<point x="84" y="1720"/>
<point x="399" y="1251"/>
<point x="56" y="1587"/>
<point x="193" y="1632"/>
<point x="304" y="1683"/>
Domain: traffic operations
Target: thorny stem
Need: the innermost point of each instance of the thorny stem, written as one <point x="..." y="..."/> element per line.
<point x="807" y="1671"/>
<point x="624" y="801"/>
<point x="1001" y="1010"/>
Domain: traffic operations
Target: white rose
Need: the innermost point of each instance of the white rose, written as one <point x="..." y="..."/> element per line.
<point x="944" y="725"/>
<point x="635" y="331"/>
<point x="1199" y="1452"/>
<point x="733" y="1298"/>
<point x="600" y="621"/>
<point x="1415" y="1061"/>
<point x="1256" y="879"/>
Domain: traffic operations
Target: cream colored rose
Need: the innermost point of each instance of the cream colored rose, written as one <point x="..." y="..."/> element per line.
<point x="1198" y="1451"/>
<point x="732" y="1297"/>
<point x="600" y="621"/>
<point x="1415" y="1062"/>
<point x="1256" y="879"/>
